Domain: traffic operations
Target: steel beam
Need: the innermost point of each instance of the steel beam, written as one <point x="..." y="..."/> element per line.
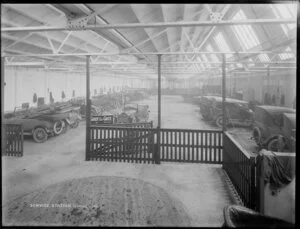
<point x="3" y="144"/>
<point x="159" y="109"/>
<point x="152" y="25"/>
<point x="145" y="53"/>
<point x="64" y="41"/>
<point x="88" y="110"/>
<point x="224" y="94"/>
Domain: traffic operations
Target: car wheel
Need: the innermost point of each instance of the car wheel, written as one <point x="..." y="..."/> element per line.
<point x="273" y="145"/>
<point x="276" y="145"/>
<point x="219" y="121"/>
<point x="58" y="127"/>
<point x="40" y="135"/>
<point x="256" y="135"/>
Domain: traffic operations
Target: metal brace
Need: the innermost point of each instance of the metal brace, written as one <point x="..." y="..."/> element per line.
<point x="80" y="22"/>
<point x="216" y="16"/>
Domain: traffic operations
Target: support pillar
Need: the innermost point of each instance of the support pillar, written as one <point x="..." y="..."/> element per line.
<point x="2" y="105"/>
<point x="88" y="110"/>
<point x="224" y="93"/>
<point x="159" y="110"/>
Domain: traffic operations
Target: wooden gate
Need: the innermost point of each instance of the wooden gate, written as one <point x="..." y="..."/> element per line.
<point x="12" y="140"/>
<point x="186" y="145"/>
<point x="123" y="143"/>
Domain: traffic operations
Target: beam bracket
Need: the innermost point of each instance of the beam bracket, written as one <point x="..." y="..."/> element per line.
<point x="80" y="22"/>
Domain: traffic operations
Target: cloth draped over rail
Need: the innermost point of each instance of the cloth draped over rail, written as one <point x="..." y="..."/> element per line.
<point x="279" y="171"/>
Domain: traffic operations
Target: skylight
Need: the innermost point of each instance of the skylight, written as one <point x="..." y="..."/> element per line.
<point x="285" y="56"/>
<point x="213" y="56"/>
<point x="285" y="11"/>
<point x="222" y="44"/>
<point x="264" y="58"/>
<point x="244" y="33"/>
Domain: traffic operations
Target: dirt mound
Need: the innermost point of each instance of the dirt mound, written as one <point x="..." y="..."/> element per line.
<point x="97" y="201"/>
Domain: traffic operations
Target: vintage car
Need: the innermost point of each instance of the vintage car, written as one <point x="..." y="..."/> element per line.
<point x="38" y="128"/>
<point x="136" y="112"/>
<point x="43" y="125"/>
<point x="274" y="128"/>
<point x="237" y="111"/>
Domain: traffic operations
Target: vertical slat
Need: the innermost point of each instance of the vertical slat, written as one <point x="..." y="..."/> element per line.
<point x="144" y="134"/>
<point x="174" y="153"/>
<point x="197" y="146"/>
<point x="114" y="143"/>
<point x="210" y="147"/>
<point x="214" y="147"/>
<point x="97" y="151"/>
<point x="193" y="145"/>
<point x="203" y="147"/>
<point x="121" y="145"/>
<point x="184" y="143"/>
<point x="206" y="143"/>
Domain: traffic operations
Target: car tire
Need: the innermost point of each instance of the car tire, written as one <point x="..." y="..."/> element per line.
<point x="40" y="135"/>
<point x="273" y="145"/>
<point x="58" y="127"/>
<point x="256" y="135"/>
<point x="219" y="121"/>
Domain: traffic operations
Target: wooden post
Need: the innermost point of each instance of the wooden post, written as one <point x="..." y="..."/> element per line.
<point x="88" y="110"/>
<point x="3" y="143"/>
<point x="224" y="93"/>
<point x="159" y="111"/>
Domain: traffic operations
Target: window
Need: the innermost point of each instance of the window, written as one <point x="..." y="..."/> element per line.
<point x="285" y="11"/>
<point x="284" y="56"/>
<point x="213" y="56"/>
<point x="222" y="44"/>
<point x="244" y="33"/>
<point x="263" y="57"/>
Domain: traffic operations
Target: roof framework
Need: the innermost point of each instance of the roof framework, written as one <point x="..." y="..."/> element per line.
<point x="128" y="37"/>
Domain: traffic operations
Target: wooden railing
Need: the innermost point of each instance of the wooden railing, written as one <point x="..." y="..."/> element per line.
<point x="135" y="125"/>
<point x="123" y="144"/>
<point x="13" y="140"/>
<point x="240" y="167"/>
<point x="184" y="145"/>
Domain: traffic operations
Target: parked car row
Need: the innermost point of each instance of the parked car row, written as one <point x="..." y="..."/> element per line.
<point x="44" y="122"/>
<point x="273" y="127"/>
<point x="237" y="111"/>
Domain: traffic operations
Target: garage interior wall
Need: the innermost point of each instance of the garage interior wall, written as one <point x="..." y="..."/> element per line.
<point x="255" y="85"/>
<point x="22" y="83"/>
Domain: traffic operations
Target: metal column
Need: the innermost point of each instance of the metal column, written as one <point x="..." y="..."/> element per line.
<point x="88" y="110"/>
<point x="2" y="105"/>
<point x="157" y="161"/>
<point x="224" y="93"/>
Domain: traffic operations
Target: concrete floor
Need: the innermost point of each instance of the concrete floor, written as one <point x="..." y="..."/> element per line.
<point x="201" y="188"/>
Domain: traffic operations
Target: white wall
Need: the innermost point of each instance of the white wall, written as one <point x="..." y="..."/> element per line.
<point x="22" y="83"/>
